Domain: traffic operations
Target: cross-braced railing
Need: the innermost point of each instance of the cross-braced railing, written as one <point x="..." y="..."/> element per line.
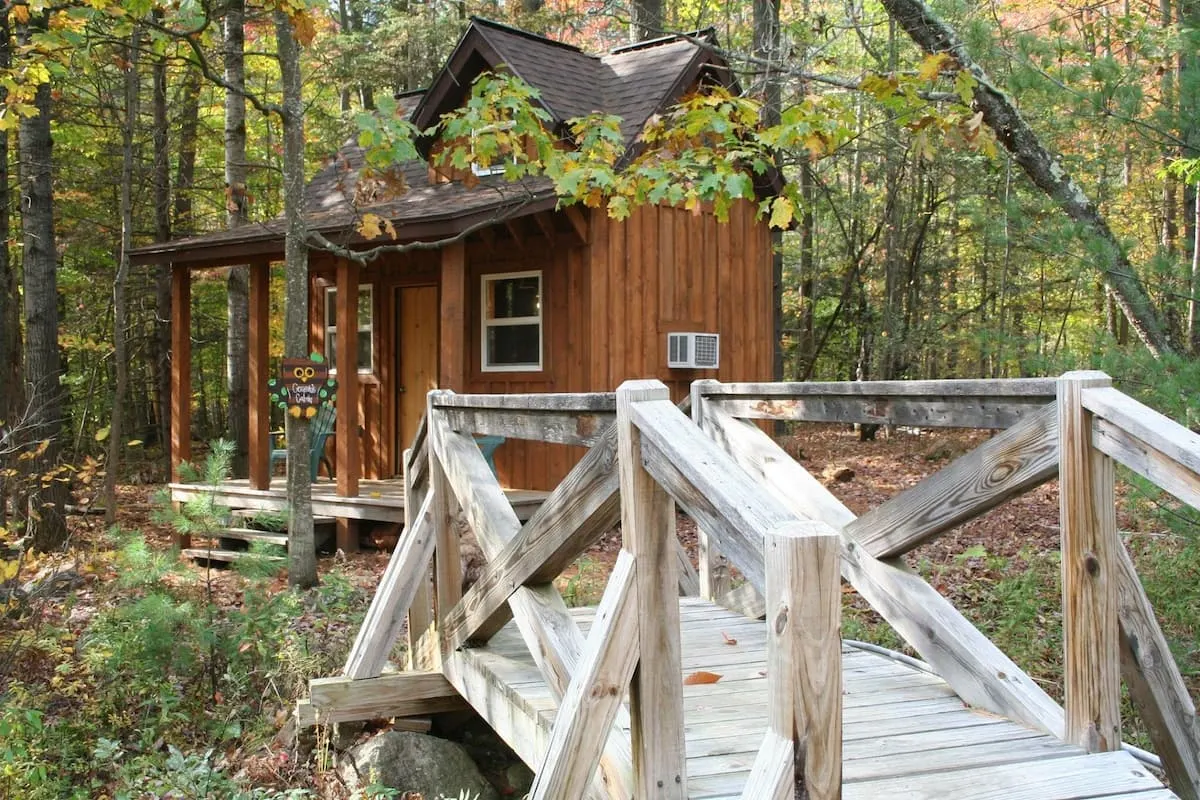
<point x="751" y="499"/>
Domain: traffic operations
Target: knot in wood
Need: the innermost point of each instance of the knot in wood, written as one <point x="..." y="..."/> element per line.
<point x="781" y="621"/>
<point x="1091" y="564"/>
<point x="1002" y="472"/>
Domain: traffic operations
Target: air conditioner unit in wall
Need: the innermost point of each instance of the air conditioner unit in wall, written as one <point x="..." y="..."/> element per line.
<point x="693" y="350"/>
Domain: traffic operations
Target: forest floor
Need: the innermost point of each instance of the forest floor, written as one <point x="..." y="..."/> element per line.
<point x="1001" y="570"/>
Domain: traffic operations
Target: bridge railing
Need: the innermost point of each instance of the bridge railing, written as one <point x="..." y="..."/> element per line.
<point x="1074" y="428"/>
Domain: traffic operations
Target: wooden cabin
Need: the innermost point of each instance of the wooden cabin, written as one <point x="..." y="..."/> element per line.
<point x="524" y="296"/>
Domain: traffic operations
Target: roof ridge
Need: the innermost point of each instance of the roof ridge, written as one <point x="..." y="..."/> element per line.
<point x="537" y="37"/>
<point x="707" y="35"/>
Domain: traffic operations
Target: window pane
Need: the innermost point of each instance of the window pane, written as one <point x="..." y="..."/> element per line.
<point x="331" y="349"/>
<point x="365" y="307"/>
<point x="515" y="297"/>
<point x="331" y="307"/>
<point x="364" y="351"/>
<point x="514" y="345"/>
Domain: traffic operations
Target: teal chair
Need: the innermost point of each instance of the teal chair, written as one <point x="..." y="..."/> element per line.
<point x="322" y="425"/>
<point x="487" y="446"/>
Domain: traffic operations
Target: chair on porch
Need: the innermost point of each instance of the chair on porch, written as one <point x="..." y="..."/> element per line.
<point x="322" y="426"/>
<point x="487" y="446"/>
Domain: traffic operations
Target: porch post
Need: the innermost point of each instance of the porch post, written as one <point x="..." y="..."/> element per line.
<point x="181" y="376"/>
<point x="259" y="355"/>
<point x="348" y="445"/>
<point x="452" y="347"/>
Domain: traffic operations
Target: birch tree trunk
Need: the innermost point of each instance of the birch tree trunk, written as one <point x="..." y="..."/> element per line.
<point x="302" y="553"/>
<point x="238" y="353"/>
<point x="120" y="306"/>
<point x="43" y="369"/>
<point x="934" y="36"/>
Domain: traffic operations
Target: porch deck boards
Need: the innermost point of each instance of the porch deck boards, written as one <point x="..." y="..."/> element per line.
<point x="378" y="500"/>
<point x="907" y="736"/>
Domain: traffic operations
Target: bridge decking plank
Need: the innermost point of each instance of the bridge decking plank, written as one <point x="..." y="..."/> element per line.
<point x="891" y="712"/>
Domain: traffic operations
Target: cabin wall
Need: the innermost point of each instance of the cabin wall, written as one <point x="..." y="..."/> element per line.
<point x="377" y="389"/>
<point x="667" y="270"/>
<point x="567" y="335"/>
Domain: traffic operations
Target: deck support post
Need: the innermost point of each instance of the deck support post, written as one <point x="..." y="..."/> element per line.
<point x="1087" y="506"/>
<point x="713" y="570"/>
<point x="181" y="377"/>
<point x="803" y="746"/>
<point x="349" y="455"/>
<point x="447" y="565"/>
<point x="648" y="533"/>
<point x="259" y="426"/>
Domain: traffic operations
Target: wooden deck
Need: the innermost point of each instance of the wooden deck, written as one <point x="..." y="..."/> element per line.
<point x="906" y="735"/>
<point x="382" y="501"/>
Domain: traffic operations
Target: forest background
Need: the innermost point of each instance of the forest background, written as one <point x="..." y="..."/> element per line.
<point x="923" y="242"/>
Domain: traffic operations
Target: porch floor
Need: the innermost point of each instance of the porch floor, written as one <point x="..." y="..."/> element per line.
<point x="381" y="501"/>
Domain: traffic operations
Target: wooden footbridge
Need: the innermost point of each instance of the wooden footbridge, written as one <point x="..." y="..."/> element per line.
<point x="663" y="692"/>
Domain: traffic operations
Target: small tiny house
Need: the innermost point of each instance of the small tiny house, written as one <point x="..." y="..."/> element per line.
<point x="521" y="296"/>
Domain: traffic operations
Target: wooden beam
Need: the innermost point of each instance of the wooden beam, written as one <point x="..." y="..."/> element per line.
<point x="974" y="667"/>
<point x="945" y="412"/>
<point x="447" y="570"/>
<point x="582" y="508"/>
<point x="406" y="572"/>
<point x="546" y="625"/>
<point x="420" y="610"/>
<point x="546" y="223"/>
<point x="579" y="222"/>
<point x="349" y="463"/>
<point x="560" y="427"/>
<point x="1155" y="684"/>
<point x="181" y="380"/>
<point x="1041" y="390"/>
<point x="513" y="226"/>
<point x="1010" y="464"/>
<point x="452" y="349"/>
<point x="773" y="776"/>
<point x="713" y="568"/>
<point x="259" y="353"/>
<point x="648" y="532"/>
<point x="400" y="694"/>
<point x="1155" y="447"/>
<point x="577" y="402"/>
<point x="589" y="707"/>
<point x="181" y="370"/>
<point x="1087" y="505"/>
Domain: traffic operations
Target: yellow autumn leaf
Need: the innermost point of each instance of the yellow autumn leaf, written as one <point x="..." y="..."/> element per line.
<point x="932" y="65"/>
<point x="782" y="212"/>
<point x="370" y="226"/>
<point x="102" y="434"/>
<point x="8" y="570"/>
<point x="20" y="13"/>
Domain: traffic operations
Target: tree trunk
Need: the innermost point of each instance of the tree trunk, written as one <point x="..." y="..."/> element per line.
<point x="302" y="554"/>
<point x="647" y="20"/>
<point x="120" y="310"/>
<point x="160" y="349"/>
<point x="935" y="36"/>
<point x="43" y="369"/>
<point x="766" y="49"/>
<point x="238" y="353"/>
<point x="10" y="298"/>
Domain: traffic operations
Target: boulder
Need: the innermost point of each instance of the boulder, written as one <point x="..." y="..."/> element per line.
<point x="414" y="762"/>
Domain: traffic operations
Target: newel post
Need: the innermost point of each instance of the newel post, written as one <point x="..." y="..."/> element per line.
<point x="713" y="569"/>
<point x="648" y="533"/>
<point x="803" y="745"/>
<point x="1087" y="511"/>
<point x="447" y="569"/>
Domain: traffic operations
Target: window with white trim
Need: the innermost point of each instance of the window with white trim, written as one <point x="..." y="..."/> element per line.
<point x="511" y="311"/>
<point x="366" y="328"/>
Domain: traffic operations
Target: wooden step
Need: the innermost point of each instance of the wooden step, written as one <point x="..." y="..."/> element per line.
<point x="252" y="535"/>
<point x="245" y="517"/>
<point x="206" y="554"/>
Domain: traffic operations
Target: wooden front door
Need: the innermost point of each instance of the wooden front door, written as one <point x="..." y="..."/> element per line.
<point x="417" y="354"/>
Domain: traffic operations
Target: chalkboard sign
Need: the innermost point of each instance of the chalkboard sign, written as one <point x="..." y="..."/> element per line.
<point x="303" y="386"/>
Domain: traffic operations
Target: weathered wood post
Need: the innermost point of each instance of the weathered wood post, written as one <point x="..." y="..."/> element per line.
<point x="447" y="570"/>
<point x="803" y="746"/>
<point x="713" y="568"/>
<point x="1087" y="510"/>
<point x="420" y="613"/>
<point x="648" y="533"/>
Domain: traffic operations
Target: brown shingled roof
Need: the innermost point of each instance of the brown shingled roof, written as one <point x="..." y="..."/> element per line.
<point x="633" y="83"/>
